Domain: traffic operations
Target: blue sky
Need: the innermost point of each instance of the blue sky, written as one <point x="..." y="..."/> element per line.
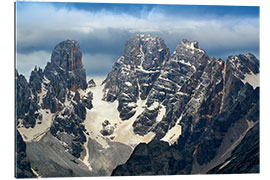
<point x="102" y="29"/>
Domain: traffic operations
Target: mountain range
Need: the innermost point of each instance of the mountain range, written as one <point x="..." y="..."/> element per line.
<point x="156" y="113"/>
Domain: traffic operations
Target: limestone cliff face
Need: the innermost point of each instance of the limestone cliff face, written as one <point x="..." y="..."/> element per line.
<point x="58" y="90"/>
<point x="66" y="60"/>
<point x="134" y="73"/>
<point x="67" y="55"/>
<point x="211" y="105"/>
<point x="183" y="113"/>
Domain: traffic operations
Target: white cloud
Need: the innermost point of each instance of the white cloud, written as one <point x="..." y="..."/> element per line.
<point x="25" y="63"/>
<point x="35" y="23"/>
<point x="42" y="26"/>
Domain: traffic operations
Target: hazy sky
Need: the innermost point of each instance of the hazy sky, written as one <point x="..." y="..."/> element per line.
<point x="102" y="29"/>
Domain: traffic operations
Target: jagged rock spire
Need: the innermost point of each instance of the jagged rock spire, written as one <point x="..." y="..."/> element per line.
<point x="67" y="55"/>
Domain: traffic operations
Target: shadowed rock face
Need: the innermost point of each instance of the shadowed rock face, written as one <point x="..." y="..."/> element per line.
<point x="185" y="64"/>
<point x="26" y="100"/>
<point x="49" y="89"/>
<point x="216" y="103"/>
<point x="23" y="168"/>
<point x="134" y="73"/>
<point x="66" y="74"/>
<point x="244" y="158"/>
<point x="67" y="55"/>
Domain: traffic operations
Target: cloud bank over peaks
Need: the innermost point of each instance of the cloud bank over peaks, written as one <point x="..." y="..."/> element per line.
<point x="102" y="29"/>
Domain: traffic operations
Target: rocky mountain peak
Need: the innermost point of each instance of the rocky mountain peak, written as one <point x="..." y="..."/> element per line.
<point x="145" y="51"/>
<point x="189" y="53"/>
<point x="243" y="64"/>
<point x="189" y="46"/>
<point x="68" y="55"/>
<point x="192" y="44"/>
<point x="209" y="106"/>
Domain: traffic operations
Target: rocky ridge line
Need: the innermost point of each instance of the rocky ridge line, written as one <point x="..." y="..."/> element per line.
<point x="210" y="106"/>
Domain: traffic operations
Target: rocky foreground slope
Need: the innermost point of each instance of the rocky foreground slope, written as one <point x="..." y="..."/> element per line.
<point x="154" y="113"/>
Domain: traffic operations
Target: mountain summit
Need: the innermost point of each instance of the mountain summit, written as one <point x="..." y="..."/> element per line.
<point x="68" y="55"/>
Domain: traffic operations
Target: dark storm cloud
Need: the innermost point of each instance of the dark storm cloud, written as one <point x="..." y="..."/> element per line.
<point x="108" y="41"/>
<point x="100" y="51"/>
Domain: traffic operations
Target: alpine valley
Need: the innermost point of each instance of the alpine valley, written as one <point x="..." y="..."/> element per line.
<point x="156" y="113"/>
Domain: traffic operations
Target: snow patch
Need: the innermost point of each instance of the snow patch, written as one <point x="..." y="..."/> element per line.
<point x="128" y="84"/>
<point x="185" y="63"/>
<point x="46" y="80"/>
<point x="164" y="88"/>
<point x="252" y="79"/>
<point x="161" y="113"/>
<point x="182" y="93"/>
<point x="35" y="172"/>
<point x="103" y="110"/>
<point x="153" y="106"/>
<point x="132" y="104"/>
<point x="36" y="133"/>
<point x="225" y="164"/>
<point x="146" y="71"/>
<point x="142" y="58"/>
<point x="43" y="93"/>
<point x="124" y="132"/>
<point x="86" y="157"/>
<point x="174" y="133"/>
